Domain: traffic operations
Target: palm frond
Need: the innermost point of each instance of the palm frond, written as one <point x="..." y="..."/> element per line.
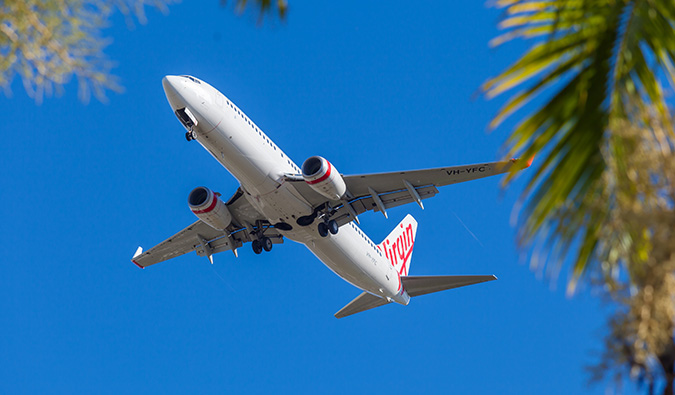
<point x="590" y="57"/>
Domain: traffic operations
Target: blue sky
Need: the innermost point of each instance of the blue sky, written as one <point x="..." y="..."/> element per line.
<point x="370" y="87"/>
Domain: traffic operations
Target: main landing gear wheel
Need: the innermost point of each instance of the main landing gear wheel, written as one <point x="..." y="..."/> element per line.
<point x="266" y="244"/>
<point x="323" y="229"/>
<point x="257" y="246"/>
<point x="333" y="227"/>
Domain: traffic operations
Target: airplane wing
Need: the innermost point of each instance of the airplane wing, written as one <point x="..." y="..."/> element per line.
<point x="205" y="240"/>
<point x="381" y="191"/>
<point x="384" y="183"/>
<point x="181" y="243"/>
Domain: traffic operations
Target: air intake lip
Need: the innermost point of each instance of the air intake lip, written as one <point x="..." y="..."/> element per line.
<point x="198" y="196"/>
<point x="312" y="166"/>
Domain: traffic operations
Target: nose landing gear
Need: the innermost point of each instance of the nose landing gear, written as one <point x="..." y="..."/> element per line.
<point x="188" y="120"/>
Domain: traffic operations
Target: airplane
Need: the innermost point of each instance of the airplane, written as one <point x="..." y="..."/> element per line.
<point x="313" y="204"/>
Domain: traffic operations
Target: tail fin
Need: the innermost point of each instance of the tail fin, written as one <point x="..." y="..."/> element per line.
<point x="398" y="246"/>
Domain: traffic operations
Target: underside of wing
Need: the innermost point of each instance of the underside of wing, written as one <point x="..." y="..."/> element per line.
<point x="247" y="225"/>
<point x="359" y="185"/>
<point x="386" y="201"/>
<point x="181" y="243"/>
<point x="381" y="191"/>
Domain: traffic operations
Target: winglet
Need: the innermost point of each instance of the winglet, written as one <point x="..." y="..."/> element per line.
<point x="529" y="161"/>
<point x="138" y="252"/>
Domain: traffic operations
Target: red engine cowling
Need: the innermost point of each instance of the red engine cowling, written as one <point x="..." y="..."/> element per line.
<point x="208" y="207"/>
<point x="324" y="178"/>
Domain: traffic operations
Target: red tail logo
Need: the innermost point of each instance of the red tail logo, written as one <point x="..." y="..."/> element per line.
<point x="398" y="252"/>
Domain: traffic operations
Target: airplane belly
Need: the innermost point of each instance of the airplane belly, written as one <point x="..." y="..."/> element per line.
<point x="283" y="204"/>
<point x="345" y="256"/>
<point x="239" y="157"/>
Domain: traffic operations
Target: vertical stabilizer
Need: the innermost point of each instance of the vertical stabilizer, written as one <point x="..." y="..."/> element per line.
<point x="398" y="246"/>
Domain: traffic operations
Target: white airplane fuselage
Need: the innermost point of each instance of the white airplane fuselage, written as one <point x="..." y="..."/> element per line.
<point x="260" y="166"/>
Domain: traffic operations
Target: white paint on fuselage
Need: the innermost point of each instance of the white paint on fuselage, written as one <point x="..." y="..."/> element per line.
<point x="259" y="165"/>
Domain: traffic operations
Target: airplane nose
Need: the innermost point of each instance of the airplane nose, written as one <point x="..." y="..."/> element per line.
<point x="171" y="84"/>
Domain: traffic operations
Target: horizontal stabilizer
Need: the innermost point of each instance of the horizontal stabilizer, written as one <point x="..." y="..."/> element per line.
<point x="422" y="285"/>
<point x="363" y="302"/>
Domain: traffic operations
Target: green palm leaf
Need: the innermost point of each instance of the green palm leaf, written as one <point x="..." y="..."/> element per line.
<point x="592" y="57"/>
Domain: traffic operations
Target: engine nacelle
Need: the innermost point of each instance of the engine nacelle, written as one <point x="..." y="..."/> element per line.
<point x="208" y="207"/>
<point x="324" y="178"/>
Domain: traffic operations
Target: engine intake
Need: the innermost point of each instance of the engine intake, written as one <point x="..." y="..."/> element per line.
<point x="208" y="207"/>
<point x="324" y="178"/>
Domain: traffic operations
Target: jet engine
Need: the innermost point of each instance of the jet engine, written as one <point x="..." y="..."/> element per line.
<point x="208" y="207"/>
<point x="324" y="178"/>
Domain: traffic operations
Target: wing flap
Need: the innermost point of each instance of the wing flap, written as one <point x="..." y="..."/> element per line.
<point x="389" y="200"/>
<point x="422" y="285"/>
<point x="363" y="302"/>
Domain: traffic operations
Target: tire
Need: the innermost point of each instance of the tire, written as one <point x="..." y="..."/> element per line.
<point x="323" y="229"/>
<point x="333" y="227"/>
<point x="267" y="244"/>
<point x="257" y="246"/>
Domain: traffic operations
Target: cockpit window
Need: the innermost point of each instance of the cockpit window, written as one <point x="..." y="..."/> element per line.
<point x="193" y="79"/>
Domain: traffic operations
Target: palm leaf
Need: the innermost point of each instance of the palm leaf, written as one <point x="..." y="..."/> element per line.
<point x="591" y="56"/>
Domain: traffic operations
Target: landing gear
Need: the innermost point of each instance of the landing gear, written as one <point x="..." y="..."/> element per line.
<point x="326" y="227"/>
<point x="266" y="244"/>
<point x="257" y="246"/>
<point x="333" y="227"/>
<point x="323" y="229"/>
